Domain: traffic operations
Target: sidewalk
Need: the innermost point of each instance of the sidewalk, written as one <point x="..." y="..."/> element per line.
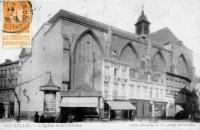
<point x="7" y="120"/>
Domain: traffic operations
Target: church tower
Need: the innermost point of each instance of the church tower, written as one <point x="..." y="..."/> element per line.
<point x="142" y="25"/>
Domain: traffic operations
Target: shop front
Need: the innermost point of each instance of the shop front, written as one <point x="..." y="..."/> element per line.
<point x="160" y="110"/>
<point x="81" y="108"/>
<point x="119" y="110"/>
<point x="80" y="104"/>
<point x="143" y="108"/>
<point x="6" y="109"/>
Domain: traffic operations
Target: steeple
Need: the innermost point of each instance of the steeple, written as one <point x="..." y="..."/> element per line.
<point x="142" y="25"/>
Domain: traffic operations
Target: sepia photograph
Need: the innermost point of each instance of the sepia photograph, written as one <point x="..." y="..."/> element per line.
<point x="74" y="62"/>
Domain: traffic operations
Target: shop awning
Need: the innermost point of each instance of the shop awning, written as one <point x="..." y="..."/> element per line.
<point x="121" y="105"/>
<point x="79" y="102"/>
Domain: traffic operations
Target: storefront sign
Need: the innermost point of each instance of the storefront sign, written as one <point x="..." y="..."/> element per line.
<point x="50" y="102"/>
<point x="79" y="102"/>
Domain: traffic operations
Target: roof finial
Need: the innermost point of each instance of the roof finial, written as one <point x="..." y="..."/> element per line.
<point x="50" y="74"/>
<point x="142" y="7"/>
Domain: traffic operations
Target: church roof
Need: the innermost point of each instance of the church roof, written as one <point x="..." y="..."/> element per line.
<point x="164" y="36"/>
<point x="63" y="14"/>
<point x="9" y="62"/>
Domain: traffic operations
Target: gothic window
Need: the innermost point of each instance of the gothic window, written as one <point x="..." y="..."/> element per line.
<point x="87" y="49"/>
<point x="158" y="63"/>
<point x="181" y="67"/>
<point x="129" y="56"/>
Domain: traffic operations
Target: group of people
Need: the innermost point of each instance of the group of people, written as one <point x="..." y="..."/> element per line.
<point x="44" y="118"/>
<point x="38" y="118"/>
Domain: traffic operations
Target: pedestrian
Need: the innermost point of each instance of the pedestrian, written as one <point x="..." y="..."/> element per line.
<point x="36" y="117"/>
<point x="42" y="118"/>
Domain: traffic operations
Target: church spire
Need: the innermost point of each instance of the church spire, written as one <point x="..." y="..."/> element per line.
<point x="142" y="24"/>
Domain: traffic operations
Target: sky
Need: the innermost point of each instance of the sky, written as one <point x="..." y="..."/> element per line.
<point x="182" y="17"/>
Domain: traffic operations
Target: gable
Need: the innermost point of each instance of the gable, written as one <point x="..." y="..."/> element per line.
<point x="164" y="36"/>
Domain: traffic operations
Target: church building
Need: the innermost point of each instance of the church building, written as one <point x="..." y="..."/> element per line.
<point x="82" y="67"/>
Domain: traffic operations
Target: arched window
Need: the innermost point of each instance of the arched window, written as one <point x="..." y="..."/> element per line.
<point x="158" y="63"/>
<point x="181" y="66"/>
<point x="128" y="55"/>
<point x="87" y="49"/>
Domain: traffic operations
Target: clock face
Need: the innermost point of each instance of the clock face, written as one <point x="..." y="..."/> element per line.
<point x="17" y="16"/>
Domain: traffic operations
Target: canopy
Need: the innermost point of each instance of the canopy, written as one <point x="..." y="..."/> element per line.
<point x="121" y="105"/>
<point x="79" y="102"/>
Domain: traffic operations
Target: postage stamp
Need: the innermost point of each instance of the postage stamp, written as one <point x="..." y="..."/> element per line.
<point x="17" y="17"/>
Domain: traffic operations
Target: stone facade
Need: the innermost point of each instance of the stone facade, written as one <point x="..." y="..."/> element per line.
<point x="69" y="46"/>
<point x="8" y="83"/>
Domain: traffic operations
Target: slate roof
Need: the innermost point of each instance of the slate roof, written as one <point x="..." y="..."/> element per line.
<point x="63" y="14"/>
<point x="50" y="86"/>
<point x="164" y="36"/>
<point x="9" y="62"/>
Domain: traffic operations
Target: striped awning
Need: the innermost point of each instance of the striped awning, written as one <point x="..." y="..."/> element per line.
<point x="121" y="105"/>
